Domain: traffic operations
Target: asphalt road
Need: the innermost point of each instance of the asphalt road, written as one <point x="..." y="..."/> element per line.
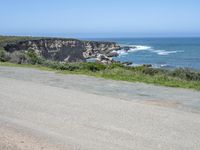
<point x="46" y="110"/>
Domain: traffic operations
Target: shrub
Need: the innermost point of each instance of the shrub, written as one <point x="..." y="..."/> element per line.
<point x="3" y="56"/>
<point x="186" y="74"/>
<point x="51" y="64"/>
<point x="72" y="66"/>
<point x="151" y="71"/>
<point x="17" y="57"/>
<point x="94" y="67"/>
<point x="33" y="58"/>
<point x="116" y="65"/>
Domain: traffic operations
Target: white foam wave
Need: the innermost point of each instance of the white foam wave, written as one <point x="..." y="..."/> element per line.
<point x="164" y="52"/>
<point x="164" y="65"/>
<point x="135" y="48"/>
<point x="139" y="47"/>
<point x="160" y="65"/>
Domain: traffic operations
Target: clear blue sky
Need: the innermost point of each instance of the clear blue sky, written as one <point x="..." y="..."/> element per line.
<point x="100" y="18"/>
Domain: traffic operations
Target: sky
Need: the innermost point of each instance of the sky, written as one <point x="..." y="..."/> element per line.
<point x="100" y="18"/>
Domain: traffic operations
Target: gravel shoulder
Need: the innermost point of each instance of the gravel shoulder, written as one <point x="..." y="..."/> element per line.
<point x="46" y="110"/>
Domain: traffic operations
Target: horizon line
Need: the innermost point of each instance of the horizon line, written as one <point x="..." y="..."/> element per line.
<point x="108" y="37"/>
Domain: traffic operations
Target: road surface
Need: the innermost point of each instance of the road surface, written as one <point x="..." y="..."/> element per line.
<point x="50" y="111"/>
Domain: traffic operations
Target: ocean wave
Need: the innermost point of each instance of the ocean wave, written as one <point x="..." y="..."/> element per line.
<point x="153" y="65"/>
<point x="160" y="65"/>
<point x="121" y="52"/>
<point x="164" y="52"/>
<point x="133" y="48"/>
<point x="136" y="48"/>
<point x="139" y="47"/>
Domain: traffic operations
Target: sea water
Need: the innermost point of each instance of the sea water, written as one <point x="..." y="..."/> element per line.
<point x="160" y="52"/>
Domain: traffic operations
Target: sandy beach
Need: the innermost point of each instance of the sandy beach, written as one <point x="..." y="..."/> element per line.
<point x="51" y="111"/>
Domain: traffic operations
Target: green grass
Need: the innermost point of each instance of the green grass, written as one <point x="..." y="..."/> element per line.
<point x="39" y="67"/>
<point x="119" y="72"/>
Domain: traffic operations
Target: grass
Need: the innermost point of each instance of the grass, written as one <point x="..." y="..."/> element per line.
<point x="119" y="72"/>
<point x="39" y="67"/>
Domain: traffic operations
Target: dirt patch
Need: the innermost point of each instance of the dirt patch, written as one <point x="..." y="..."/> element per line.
<point x="15" y="139"/>
<point x="162" y="103"/>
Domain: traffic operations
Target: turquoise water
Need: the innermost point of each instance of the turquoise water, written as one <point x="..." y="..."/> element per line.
<point x="161" y="52"/>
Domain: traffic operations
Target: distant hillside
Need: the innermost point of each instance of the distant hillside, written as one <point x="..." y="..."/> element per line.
<point x="13" y="39"/>
<point x="10" y="39"/>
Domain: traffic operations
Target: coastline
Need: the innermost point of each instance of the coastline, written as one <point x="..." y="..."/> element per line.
<point x="166" y="53"/>
<point x="69" y="56"/>
<point x="171" y="52"/>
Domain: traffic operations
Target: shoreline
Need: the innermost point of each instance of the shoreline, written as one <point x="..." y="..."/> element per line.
<point x="112" y="47"/>
<point x="69" y="56"/>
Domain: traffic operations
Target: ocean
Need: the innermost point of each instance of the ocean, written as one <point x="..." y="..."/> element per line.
<point x="160" y="52"/>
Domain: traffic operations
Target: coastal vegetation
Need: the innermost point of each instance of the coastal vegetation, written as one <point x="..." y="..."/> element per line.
<point x="181" y="77"/>
<point x="184" y="78"/>
<point x="10" y="39"/>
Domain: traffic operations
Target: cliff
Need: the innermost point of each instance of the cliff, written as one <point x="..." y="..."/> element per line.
<point x="70" y="50"/>
<point x="53" y="49"/>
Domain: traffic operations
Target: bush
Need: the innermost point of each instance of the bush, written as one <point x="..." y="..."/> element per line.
<point x="17" y="57"/>
<point x="51" y="64"/>
<point x="33" y="58"/>
<point x="72" y="66"/>
<point x="186" y="74"/>
<point x="3" y="56"/>
<point x="94" y="67"/>
<point x="116" y="65"/>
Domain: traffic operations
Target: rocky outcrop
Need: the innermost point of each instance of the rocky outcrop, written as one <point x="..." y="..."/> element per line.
<point x="65" y="49"/>
<point x="104" y="59"/>
<point x="93" y="49"/>
<point x="54" y="49"/>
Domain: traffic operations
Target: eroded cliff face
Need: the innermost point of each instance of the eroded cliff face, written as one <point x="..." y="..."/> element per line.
<point x="70" y="50"/>
<point x="94" y="48"/>
<point x="54" y="49"/>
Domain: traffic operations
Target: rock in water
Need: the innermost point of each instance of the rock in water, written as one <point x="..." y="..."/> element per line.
<point x="104" y="59"/>
<point x="94" y="48"/>
<point x="128" y="63"/>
